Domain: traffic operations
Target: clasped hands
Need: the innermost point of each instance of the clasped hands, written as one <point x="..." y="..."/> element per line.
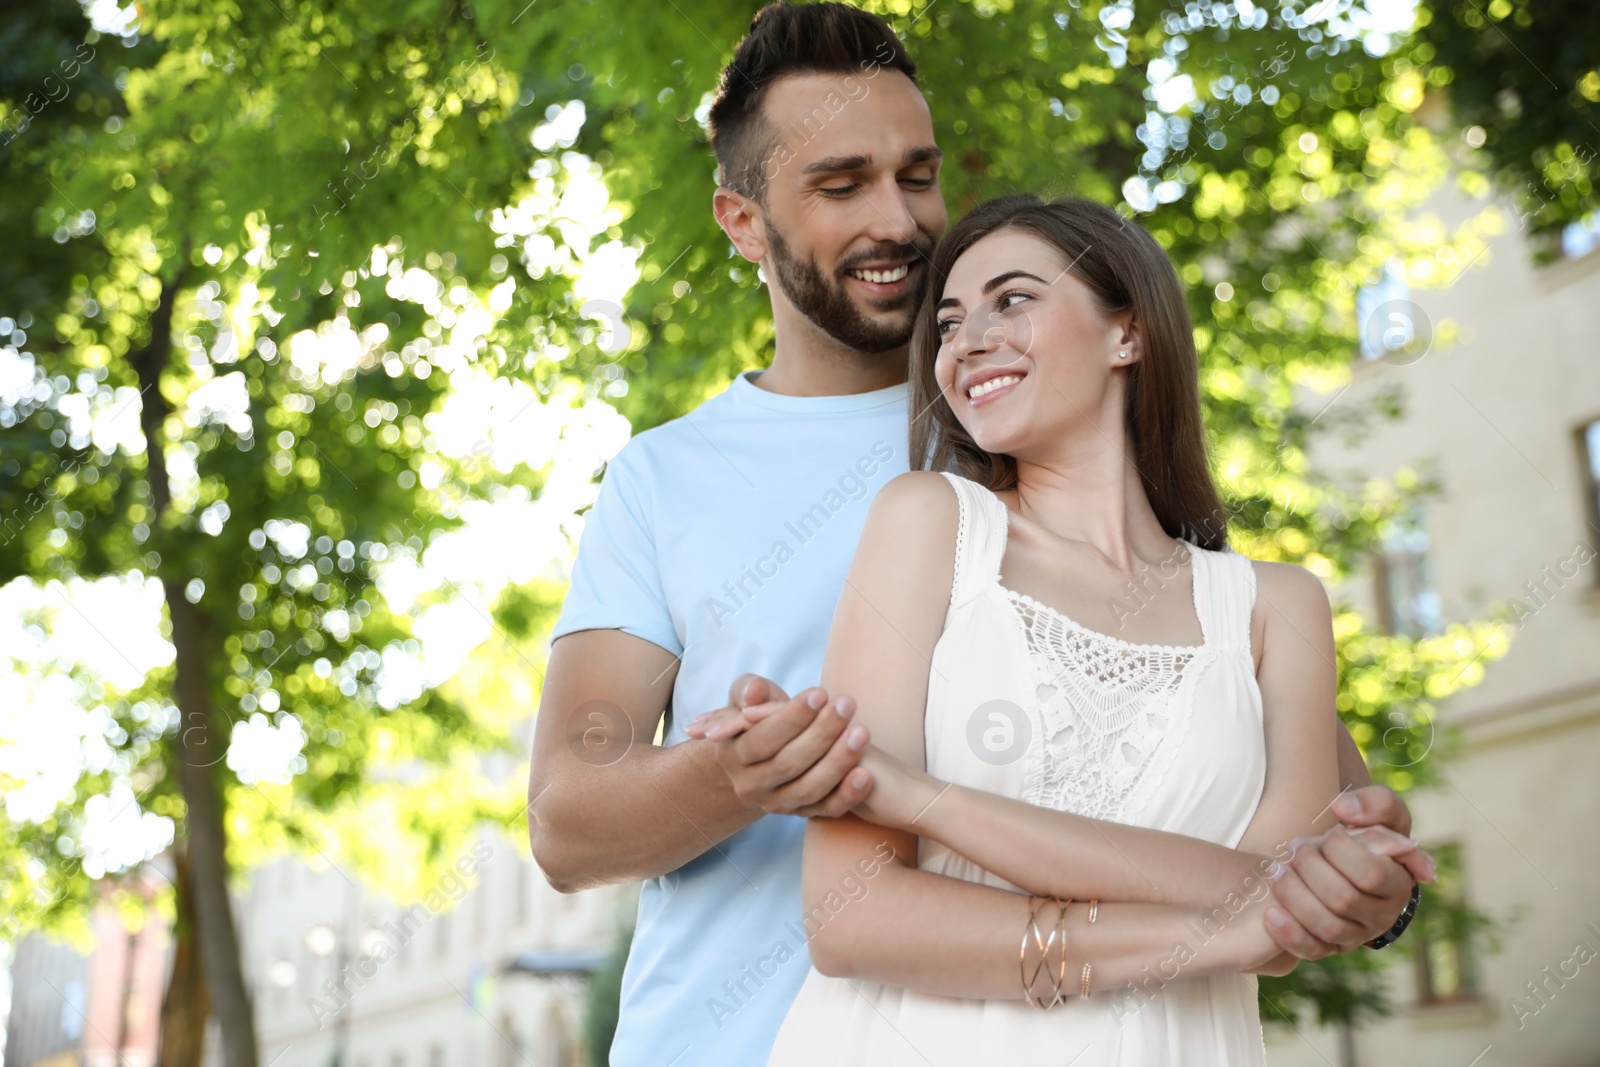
<point x="803" y="755"/>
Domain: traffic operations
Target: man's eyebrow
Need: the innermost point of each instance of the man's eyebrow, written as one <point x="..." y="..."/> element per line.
<point x="841" y="164"/>
<point x="836" y="164"/>
<point x="992" y="284"/>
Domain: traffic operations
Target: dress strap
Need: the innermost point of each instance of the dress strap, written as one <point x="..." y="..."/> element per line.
<point x="1226" y="597"/>
<point x="980" y="539"/>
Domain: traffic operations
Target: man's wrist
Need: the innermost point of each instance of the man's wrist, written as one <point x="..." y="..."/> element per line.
<point x="1409" y="912"/>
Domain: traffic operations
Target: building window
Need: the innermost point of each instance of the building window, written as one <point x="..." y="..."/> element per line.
<point x="1582" y="237"/>
<point x="1589" y="448"/>
<point x="1407" y="602"/>
<point x="1385" y="315"/>
<point x="1443" y="935"/>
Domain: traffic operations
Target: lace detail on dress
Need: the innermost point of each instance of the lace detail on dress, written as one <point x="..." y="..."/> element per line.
<point x="1112" y="713"/>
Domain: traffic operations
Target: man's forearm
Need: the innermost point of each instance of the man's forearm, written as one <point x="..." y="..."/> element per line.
<point x="645" y="815"/>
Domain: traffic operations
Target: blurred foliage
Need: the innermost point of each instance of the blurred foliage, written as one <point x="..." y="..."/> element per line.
<point x="1524" y="76"/>
<point x="1339" y="989"/>
<point x="301" y="205"/>
<point x="223" y="187"/>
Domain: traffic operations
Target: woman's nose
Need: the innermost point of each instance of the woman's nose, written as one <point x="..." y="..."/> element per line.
<point x="979" y="333"/>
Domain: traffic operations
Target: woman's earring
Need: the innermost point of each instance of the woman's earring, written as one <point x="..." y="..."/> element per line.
<point x="1122" y="355"/>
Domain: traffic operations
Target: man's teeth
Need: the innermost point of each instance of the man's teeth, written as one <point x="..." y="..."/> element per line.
<point x="883" y="277"/>
<point x="992" y="384"/>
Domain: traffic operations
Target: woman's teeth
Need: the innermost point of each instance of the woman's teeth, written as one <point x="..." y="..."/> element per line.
<point x="992" y="384"/>
<point x="882" y="277"/>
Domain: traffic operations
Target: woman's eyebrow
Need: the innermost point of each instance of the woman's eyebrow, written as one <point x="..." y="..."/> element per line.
<point x="1000" y="279"/>
<point x="992" y="284"/>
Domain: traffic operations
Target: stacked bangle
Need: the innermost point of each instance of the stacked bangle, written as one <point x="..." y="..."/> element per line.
<point x="1045" y="944"/>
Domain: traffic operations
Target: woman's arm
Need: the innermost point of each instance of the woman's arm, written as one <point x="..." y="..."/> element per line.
<point x="947" y="936"/>
<point x="941" y="934"/>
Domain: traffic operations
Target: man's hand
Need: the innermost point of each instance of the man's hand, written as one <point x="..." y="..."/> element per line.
<point x="788" y="755"/>
<point x="1340" y="891"/>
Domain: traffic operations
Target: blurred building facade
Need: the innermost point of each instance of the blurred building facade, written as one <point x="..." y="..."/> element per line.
<point x="100" y="1009"/>
<point x="49" y="996"/>
<point x="487" y="967"/>
<point x="1507" y="417"/>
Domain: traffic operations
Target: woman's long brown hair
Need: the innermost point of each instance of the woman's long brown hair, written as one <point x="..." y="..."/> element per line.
<point x="1125" y="269"/>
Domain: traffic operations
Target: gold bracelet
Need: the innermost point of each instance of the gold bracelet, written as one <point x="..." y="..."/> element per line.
<point x="1044" y="954"/>
<point x="1022" y="956"/>
<point x="1061" y="974"/>
<point x="1083" y="980"/>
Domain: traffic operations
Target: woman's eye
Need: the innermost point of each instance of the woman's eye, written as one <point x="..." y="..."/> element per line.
<point x="1006" y="300"/>
<point x="944" y="326"/>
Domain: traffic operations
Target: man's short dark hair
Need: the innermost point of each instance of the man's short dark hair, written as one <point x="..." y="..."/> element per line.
<point x="790" y="39"/>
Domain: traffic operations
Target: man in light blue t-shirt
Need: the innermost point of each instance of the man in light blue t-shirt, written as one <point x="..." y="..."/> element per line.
<point x="720" y="542"/>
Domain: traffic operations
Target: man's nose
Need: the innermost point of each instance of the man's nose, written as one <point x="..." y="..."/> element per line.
<point x="892" y="221"/>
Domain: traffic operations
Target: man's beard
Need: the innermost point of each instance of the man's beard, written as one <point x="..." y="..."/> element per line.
<point x="827" y="303"/>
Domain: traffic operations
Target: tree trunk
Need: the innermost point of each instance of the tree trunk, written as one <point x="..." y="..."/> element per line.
<point x="187" y="1003"/>
<point x="200" y="749"/>
<point x="1347" y="1044"/>
<point x="200" y="745"/>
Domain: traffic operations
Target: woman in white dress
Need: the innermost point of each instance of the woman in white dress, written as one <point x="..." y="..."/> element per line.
<point x="1094" y="726"/>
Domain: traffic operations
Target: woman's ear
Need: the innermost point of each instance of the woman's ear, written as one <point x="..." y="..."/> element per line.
<point x="740" y="218"/>
<point x="1127" y="339"/>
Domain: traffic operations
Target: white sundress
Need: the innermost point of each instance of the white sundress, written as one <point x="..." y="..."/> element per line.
<point x="1161" y="736"/>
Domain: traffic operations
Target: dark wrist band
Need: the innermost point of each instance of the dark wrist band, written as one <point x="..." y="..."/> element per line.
<point x="1409" y="912"/>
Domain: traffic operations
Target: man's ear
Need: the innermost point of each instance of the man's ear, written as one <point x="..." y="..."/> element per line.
<point x="740" y="218"/>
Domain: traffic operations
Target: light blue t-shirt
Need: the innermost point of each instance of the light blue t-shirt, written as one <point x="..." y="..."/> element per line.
<point x="724" y="537"/>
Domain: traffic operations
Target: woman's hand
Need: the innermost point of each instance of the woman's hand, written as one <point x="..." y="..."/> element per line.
<point x="899" y="794"/>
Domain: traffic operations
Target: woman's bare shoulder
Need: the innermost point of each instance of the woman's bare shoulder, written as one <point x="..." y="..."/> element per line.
<point x="917" y="505"/>
<point x="1288" y="585"/>
<point x="1292" y="609"/>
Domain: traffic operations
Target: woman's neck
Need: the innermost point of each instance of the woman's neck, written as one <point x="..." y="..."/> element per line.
<point x="1095" y="496"/>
